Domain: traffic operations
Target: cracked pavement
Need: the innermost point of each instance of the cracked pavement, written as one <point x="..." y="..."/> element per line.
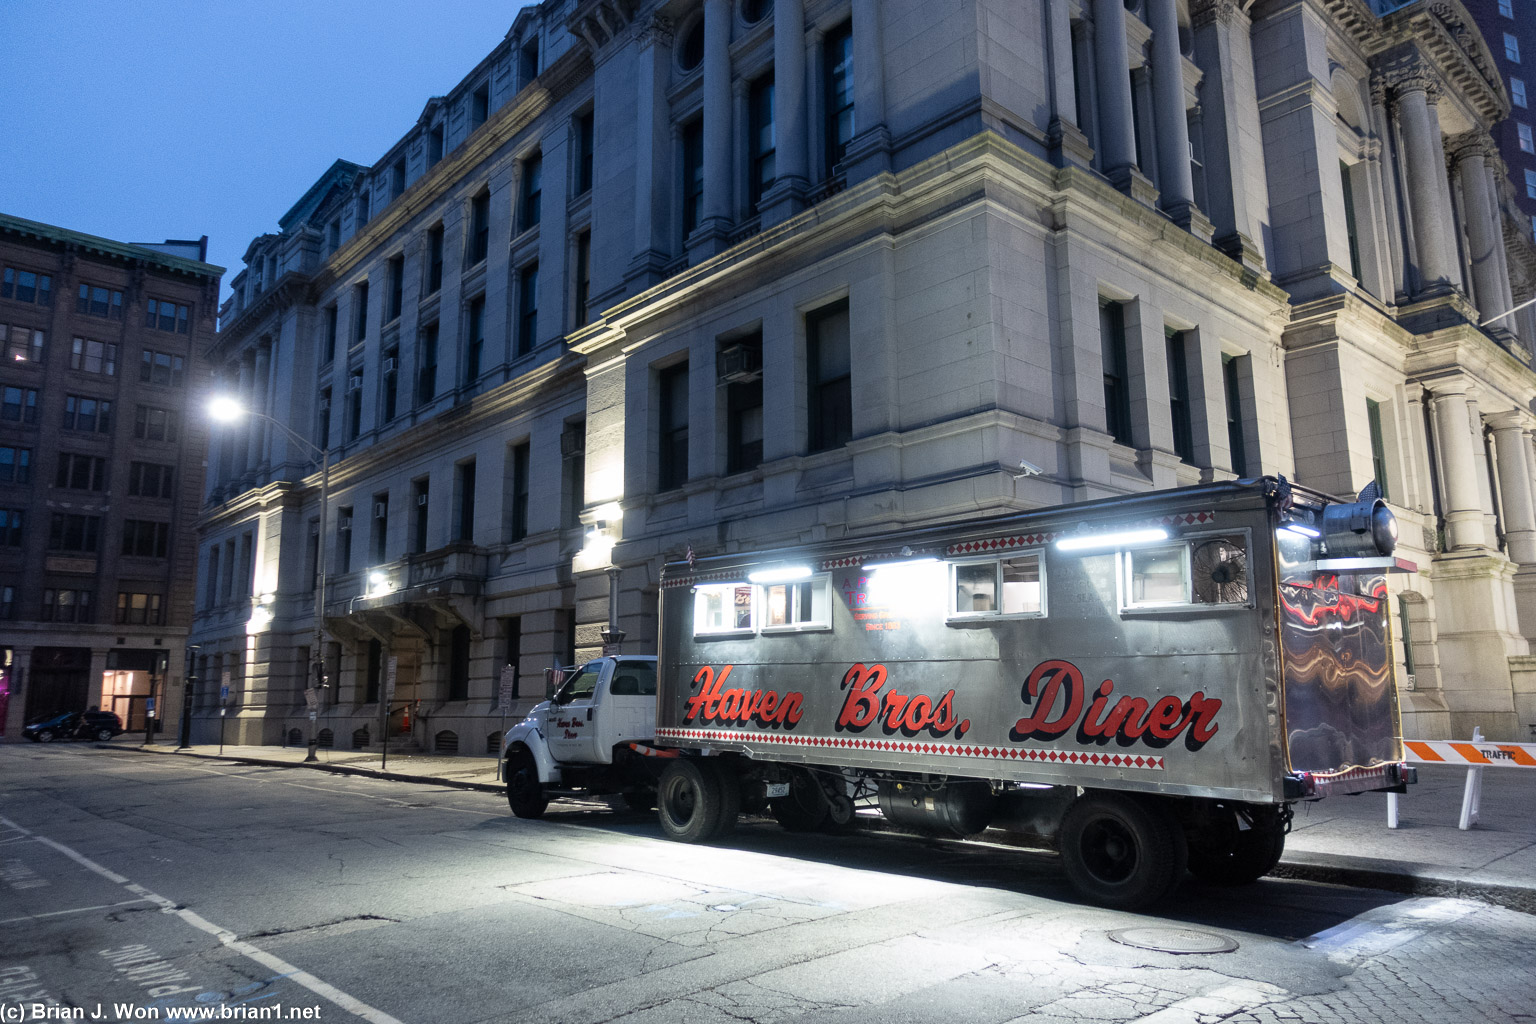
<point x="337" y="891"/>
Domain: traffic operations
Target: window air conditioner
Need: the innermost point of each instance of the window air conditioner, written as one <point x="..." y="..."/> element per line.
<point x="739" y="364"/>
<point x="344" y="523"/>
<point x="389" y="365"/>
<point x="381" y="510"/>
<point x="421" y="500"/>
<point x="325" y="405"/>
<point x="572" y="442"/>
<point x="355" y="382"/>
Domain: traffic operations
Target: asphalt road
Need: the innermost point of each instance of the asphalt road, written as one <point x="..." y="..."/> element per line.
<point x="144" y="886"/>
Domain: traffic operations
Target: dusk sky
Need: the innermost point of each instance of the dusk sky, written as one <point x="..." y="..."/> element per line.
<point x="179" y="118"/>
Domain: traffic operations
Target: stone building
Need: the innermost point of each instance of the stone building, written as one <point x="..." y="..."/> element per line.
<point x="101" y="475"/>
<point x="732" y="274"/>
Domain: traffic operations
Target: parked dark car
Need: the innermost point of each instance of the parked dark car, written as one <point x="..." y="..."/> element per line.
<point x="74" y="725"/>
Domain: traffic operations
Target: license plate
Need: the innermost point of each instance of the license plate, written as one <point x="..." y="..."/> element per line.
<point x="777" y="789"/>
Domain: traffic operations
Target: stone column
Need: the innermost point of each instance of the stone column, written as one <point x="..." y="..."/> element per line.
<point x="1175" y="179"/>
<point x="249" y="425"/>
<point x="1467" y="151"/>
<point x="786" y="197"/>
<point x="653" y="147"/>
<point x="1429" y="204"/>
<point x="716" y="215"/>
<point x="1510" y="444"/>
<point x="1235" y="185"/>
<point x="1458" y="465"/>
<point x="1117" y="138"/>
<point x="262" y="401"/>
<point x="1067" y="141"/>
<point x="869" y="151"/>
<point x="1384" y="184"/>
<point x="1495" y="170"/>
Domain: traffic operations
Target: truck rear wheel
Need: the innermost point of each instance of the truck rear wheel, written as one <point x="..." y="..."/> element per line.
<point x="805" y="808"/>
<point x="1119" y="851"/>
<point x="1245" y="856"/>
<point x="525" y="794"/>
<point x="689" y="802"/>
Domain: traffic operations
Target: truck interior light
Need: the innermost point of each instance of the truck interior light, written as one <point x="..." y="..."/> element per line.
<point x="873" y="566"/>
<point x="1301" y="530"/>
<point x="1120" y="538"/>
<point x="783" y="574"/>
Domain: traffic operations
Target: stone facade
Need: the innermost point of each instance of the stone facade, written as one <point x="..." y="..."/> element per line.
<point x="733" y="274"/>
<point x="101" y="476"/>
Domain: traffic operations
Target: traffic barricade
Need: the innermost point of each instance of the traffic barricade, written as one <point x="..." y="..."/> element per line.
<point x="1474" y="756"/>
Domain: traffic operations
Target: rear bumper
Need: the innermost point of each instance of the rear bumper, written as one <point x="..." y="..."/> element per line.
<point x="1391" y="777"/>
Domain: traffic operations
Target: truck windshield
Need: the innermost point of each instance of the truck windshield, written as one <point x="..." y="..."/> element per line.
<point x="634" y="679"/>
<point x="578" y="686"/>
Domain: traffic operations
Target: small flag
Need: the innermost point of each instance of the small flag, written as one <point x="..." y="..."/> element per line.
<point x="690" y="556"/>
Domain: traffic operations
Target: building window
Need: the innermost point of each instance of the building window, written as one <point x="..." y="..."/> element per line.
<point x="527" y="308"/>
<point x="1517" y="91"/>
<point x="693" y="174"/>
<point x="754" y="11"/>
<point x="363" y="212"/>
<point x="479" y="228"/>
<point x="152" y="424"/>
<point x="138" y="609"/>
<point x="94" y="357"/>
<point x="739" y="368"/>
<point x="1527" y="141"/>
<point x="151" y="480"/>
<point x="691" y="53"/>
<point x="458" y="663"/>
<point x="66" y="605"/>
<point x="359" y="312"/>
<point x="380" y="528"/>
<point x="10" y="527"/>
<point x="435" y="260"/>
<point x="1117" y="390"/>
<point x="426" y="371"/>
<point x="354" y="424"/>
<point x="672" y="426"/>
<point x="1350" y="230"/>
<point x="143" y="538"/>
<point x="573" y="473"/>
<point x="479" y="106"/>
<point x="18" y="405"/>
<point x="421" y="496"/>
<point x="77" y="472"/>
<point x="760" y="137"/>
<point x="331" y="318"/>
<point x="517" y="499"/>
<point x="15" y="465"/>
<point x="390" y="372"/>
<point x="1378" y="447"/>
<point x="1511" y="48"/>
<point x="397" y="179"/>
<point x="584" y="131"/>
<point x="344" y="539"/>
<point x="1530" y="184"/>
<point x="88" y="415"/>
<point x="1507" y="8"/>
<point x="474" y="344"/>
<point x="97" y="301"/>
<point x="162" y="368"/>
<point x="26" y="286"/>
<point x="333" y="235"/>
<point x="323" y="419"/>
<point x="1178" y="394"/>
<point x="76" y="533"/>
<point x="533" y="190"/>
<point x="527" y="63"/>
<point x="1232" y="372"/>
<point x="7" y="602"/>
<point x="581" y="277"/>
<point x="464" y="499"/>
<point x="396" y="288"/>
<point x="434" y="145"/>
<point x="21" y="344"/>
<point x="164" y="315"/>
<point x="837" y="74"/>
<point x="828" y="378"/>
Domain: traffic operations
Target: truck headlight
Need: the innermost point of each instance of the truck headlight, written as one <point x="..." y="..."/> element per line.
<point x="1359" y="529"/>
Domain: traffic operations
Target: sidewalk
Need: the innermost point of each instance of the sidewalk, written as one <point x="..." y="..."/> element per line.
<point x="1342" y="840"/>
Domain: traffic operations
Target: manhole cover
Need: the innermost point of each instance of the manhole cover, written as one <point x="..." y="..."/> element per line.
<point x="1173" y="940"/>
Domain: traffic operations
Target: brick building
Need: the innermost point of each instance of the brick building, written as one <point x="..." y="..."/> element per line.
<point x="101" y="468"/>
<point x="732" y="274"/>
<point x="1509" y="26"/>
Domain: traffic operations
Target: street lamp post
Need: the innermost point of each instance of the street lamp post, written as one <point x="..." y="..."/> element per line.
<point x="227" y="410"/>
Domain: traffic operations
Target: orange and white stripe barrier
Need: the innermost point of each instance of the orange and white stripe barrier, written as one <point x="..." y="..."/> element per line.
<point x="1474" y="756"/>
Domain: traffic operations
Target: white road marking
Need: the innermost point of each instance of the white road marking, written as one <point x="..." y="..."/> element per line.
<point x="74" y="910"/>
<point x="321" y="988"/>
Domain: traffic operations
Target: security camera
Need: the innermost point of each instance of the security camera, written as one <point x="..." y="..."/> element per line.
<point x="1027" y="468"/>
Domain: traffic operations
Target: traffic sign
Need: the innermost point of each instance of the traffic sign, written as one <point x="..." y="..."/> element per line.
<point x="508" y="685"/>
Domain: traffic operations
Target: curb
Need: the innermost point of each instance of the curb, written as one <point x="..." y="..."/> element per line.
<point x="1511" y="897"/>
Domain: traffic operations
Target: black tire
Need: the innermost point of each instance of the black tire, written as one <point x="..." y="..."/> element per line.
<point x="1248" y="856"/>
<point x="525" y="794"/>
<point x="104" y="735"/>
<point x="46" y="736"/>
<point x="1119" y="851"/>
<point x="688" y="801"/>
<point x="730" y="799"/>
<point x="805" y="808"/>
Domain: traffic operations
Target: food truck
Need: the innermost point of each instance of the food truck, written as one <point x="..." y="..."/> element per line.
<point x="1153" y="680"/>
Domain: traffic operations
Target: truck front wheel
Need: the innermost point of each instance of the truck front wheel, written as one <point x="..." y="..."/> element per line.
<point x="525" y="794"/>
<point x="1119" y="851"/>
<point x="689" y="803"/>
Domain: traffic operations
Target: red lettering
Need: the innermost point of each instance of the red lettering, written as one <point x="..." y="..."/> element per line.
<point x="1166" y="718"/>
<point x="1043" y="688"/>
<point x="712" y="704"/>
<point x="861" y="705"/>
<point x="1123" y="719"/>
<point x="1202" y="711"/>
<point x="1055" y="690"/>
<point x="919" y="713"/>
<point x="1093" y="722"/>
<point x="770" y="701"/>
<point x="789" y="709"/>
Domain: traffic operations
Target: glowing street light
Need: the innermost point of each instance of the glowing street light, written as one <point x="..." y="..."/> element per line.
<point x="225" y="409"/>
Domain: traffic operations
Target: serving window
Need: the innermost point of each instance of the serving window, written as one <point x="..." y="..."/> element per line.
<point x="723" y="608"/>
<point x="1011" y="586"/>
<point x="1203" y="570"/>
<point x="802" y="605"/>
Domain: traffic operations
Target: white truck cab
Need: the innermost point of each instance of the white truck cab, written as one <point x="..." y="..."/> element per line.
<point x="590" y="737"/>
